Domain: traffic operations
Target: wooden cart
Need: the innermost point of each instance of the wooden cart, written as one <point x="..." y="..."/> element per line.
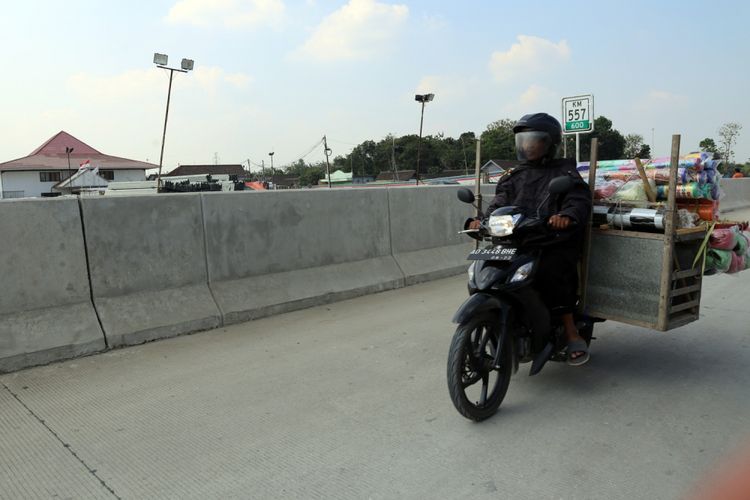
<point x="651" y="280"/>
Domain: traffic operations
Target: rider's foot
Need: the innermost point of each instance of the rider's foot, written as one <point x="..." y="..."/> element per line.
<point x="573" y="336"/>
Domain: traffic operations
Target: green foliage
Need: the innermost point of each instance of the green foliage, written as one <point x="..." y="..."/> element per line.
<point x="611" y="141"/>
<point x="634" y="147"/>
<point x="498" y="142"/>
<point x="708" y="145"/>
<point x="439" y="153"/>
<point x="729" y="132"/>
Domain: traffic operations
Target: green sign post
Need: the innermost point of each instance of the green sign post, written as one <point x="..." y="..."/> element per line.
<point x="578" y="117"/>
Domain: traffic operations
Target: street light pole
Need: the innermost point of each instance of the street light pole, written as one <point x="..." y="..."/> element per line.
<point x="70" y="183"/>
<point x="161" y="62"/>
<point x="423" y="98"/>
<point x="273" y="174"/>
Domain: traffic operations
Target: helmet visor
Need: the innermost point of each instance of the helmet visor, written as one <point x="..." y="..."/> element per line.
<point x="532" y="145"/>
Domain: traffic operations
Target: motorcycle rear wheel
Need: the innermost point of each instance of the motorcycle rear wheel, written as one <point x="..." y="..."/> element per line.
<point x="470" y="362"/>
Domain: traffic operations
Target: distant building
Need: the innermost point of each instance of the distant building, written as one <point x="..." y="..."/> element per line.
<point x="494" y="168"/>
<point x="284" y="181"/>
<point x="47" y="166"/>
<point x="397" y="176"/>
<point x="337" y="177"/>
<point x="185" y="170"/>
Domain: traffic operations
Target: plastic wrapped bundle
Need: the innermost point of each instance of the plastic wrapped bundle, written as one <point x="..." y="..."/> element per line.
<point x="605" y="189"/>
<point x="630" y="191"/>
<point x="724" y="239"/>
<point x="691" y="191"/>
<point x="742" y="243"/>
<point x="718" y="260"/>
<point x="706" y="209"/>
<point x="737" y="264"/>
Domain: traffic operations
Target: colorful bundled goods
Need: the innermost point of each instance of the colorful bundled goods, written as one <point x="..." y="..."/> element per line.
<point x="729" y="250"/>
<point x="707" y="210"/>
<point x="697" y="179"/>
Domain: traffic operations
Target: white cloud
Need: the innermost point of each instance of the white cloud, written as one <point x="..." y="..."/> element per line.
<point x="536" y="95"/>
<point x="431" y="84"/>
<point x="131" y="83"/>
<point x="238" y="80"/>
<point x="356" y="31"/>
<point x="529" y="57"/>
<point x="535" y="99"/>
<point x="229" y="13"/>
<point x="139" y="83"/>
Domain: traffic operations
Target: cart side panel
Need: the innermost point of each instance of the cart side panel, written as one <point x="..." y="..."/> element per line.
<point x="625" y="278"/>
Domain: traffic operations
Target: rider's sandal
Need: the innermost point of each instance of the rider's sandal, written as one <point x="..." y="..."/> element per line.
<point x="578" y="346"/>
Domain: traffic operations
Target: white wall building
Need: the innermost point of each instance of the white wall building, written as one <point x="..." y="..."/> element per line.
<point x="36" y="174"/>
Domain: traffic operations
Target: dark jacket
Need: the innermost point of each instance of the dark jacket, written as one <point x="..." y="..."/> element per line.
<point x="526" y="186"/>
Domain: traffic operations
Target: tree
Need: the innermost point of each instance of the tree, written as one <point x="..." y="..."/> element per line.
<point x="634" y="146"/>
<point x="729" y="133"/>
<point x="498" y="141"/>
<point x="308" y="174"/>
<point x="708" y="145"/>
<point x="611" y="141"/>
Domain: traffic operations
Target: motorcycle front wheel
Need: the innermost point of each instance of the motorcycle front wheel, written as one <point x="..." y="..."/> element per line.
<point x="476" y="386"/>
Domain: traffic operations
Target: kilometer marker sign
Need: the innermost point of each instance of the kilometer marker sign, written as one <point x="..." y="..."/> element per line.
<point x="578" y="114"/>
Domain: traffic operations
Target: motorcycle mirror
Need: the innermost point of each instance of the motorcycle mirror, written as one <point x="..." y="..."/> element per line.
<point x="465" y="195"/>
<point x="560" y="185"/>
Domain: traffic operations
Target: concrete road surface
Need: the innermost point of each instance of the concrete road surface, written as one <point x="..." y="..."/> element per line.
<point x="350" y="401"/>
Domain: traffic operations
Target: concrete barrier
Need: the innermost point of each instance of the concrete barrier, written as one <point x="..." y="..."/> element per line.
<point x="148" y="266"/>
<point x="736" y="194"/>
<point x="45" y="301"/>
<point x="424" y="230"/>
<point x="272" y="252"/>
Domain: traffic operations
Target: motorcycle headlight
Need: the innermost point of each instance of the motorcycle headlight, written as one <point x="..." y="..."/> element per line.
<point x="522" y="272"/>
<point x="503" y="225"/>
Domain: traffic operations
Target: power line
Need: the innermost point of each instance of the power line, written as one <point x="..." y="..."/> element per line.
<point x="310" y="151"/>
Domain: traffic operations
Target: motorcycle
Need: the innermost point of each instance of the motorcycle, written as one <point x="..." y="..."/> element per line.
<point x="504" y="322"/>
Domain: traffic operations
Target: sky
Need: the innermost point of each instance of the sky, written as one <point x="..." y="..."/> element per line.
<point x="277" y="75"/>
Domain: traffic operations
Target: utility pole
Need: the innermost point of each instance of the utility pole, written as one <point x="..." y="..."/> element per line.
<point x="327" y="151"/>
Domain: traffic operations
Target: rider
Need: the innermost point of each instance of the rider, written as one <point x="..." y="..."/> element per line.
<point x="538" y="137"/>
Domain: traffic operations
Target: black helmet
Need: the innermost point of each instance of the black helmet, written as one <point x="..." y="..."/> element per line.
<point x="545" y="126"/>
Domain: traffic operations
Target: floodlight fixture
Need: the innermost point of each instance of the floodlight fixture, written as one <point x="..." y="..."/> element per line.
<point x="160" y="59"/>
<point x="187" y="64"/>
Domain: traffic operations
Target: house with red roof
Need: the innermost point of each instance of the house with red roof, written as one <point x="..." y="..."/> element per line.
<point x="38" y="173"/>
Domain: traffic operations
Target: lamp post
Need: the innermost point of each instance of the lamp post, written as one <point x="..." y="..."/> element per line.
<point x="423" y="98"/>
<point x="273" y="174"/>
<point x="161" y="62"/>
<point x="70" y="182"/>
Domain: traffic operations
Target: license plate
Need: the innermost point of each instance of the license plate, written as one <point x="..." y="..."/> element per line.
<point x="495" y="253"/>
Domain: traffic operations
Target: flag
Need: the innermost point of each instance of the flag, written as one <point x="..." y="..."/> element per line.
<point x="84" y="165"/>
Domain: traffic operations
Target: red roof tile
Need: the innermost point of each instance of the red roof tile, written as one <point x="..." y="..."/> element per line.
<point x="51" y="156"/>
